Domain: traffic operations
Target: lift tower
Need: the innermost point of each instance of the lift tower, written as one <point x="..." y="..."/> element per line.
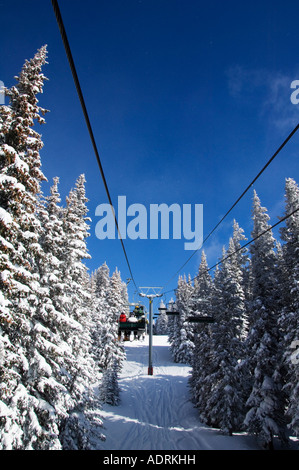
<point x="150" y="293"/>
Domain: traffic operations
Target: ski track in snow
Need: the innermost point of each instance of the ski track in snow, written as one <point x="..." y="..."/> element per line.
<point x="155" y="412"/>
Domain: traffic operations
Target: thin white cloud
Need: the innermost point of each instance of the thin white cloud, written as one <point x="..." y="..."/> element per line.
<point x="269" y="92"/>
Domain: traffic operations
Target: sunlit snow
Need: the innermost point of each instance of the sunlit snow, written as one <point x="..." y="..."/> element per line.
<point x="155" y="412"/>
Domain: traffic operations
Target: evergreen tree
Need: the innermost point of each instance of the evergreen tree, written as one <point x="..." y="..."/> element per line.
<point x="172" y="322"/>
<point x="46" y="369"/>
<point x="182" y="335"/>
<point x="111" y="298"/>
<point x="241" y="261"/>
<point x="20" y="180"/>
<point x="226" y="402"/>
<point x="201" y="361"/>
<point x="290" y="294"/>
<point x="117" y="304"/>
<point x="81" y="369"/>
<point x="53" y="319"/>
<point x="161" y="326"/>
<point x="109" y="391"/>
<point x="266" y="404"/>
<point x="109" y="303"/>
<point x="74" y="274"/>
<point x="27" y="424"/>
<point x="100" y="290"/>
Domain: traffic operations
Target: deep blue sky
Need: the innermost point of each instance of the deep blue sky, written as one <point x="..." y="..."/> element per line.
<point x="187" y="99"/>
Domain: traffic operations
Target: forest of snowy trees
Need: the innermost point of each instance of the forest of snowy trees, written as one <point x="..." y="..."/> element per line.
<point x="245" y="374"/>
<point x="59" y="354"/>
<point x="59" y="358"/>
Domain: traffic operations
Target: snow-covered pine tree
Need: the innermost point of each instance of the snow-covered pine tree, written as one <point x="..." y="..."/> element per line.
<point x="20" y="184"/>
<point x="265" y="403"/>
<point x="76" y="278"/>
<point x="289" y="320"/>
<point x="182" y="344"/>
<point x="175" y="327"/>
<point x="226" y="402"/>
<point x="125" y="298"/>
<point x="201" y="362"/>
<point x="26" y="419"/>
<point x="83" y="375"/>
<point x="109" y="391"/>
<point x="100" y="311"/>
<point x="53" y="321"/>
<point x="161" y="325"/>
<point x="53" y="242"/>
<point x="110" y="299"/>
<point x="102" y="281"/>
<point x="172" y="322"/>
<point x="241" y="260"/>
<point x="117" y="305"/>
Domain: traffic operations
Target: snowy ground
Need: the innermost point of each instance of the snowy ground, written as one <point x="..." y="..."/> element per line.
<point x="155" y="412"/>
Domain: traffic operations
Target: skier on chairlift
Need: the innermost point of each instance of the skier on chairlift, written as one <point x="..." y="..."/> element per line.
<point x="122" y="318"/>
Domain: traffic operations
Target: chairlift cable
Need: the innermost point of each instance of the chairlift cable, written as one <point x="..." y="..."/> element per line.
<point x="83" y="105"/>
<point x="85" y="112"/>
<point x="237" y="201"/>
<point x="241" y="248"/>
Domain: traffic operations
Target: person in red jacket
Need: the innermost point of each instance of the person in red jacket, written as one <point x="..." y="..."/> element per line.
<point x="122" y="318"/>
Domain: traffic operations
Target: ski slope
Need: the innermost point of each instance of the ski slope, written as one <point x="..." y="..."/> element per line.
<point x="155" y="412"/>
